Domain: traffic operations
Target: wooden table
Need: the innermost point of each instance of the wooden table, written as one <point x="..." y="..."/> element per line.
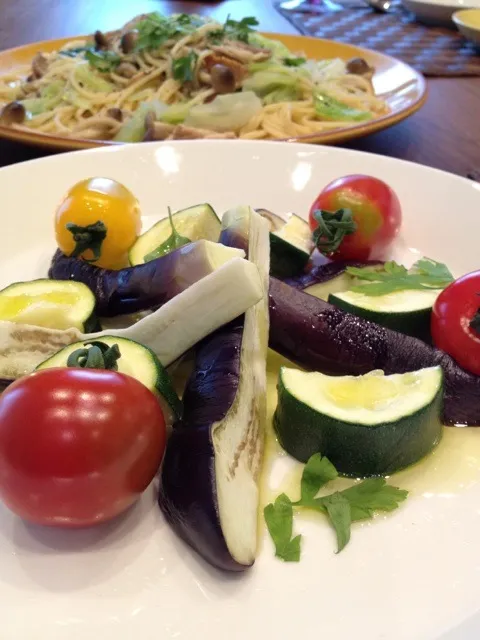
<point x="444" y="134"/>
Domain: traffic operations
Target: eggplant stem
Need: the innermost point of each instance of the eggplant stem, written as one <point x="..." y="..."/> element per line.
<point x="98" y="356"/>
<point x="88" y="237"/>
<point x="332" y="228"/>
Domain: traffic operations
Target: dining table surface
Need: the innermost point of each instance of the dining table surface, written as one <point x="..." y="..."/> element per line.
<point x="445" y="133"/>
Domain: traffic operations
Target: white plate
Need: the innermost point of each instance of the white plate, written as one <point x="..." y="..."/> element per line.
<point x="438" y="12"/>
<point x="411" y="576"/>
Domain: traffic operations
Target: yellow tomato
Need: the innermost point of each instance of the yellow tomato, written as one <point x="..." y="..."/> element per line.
<point x="98" y="220"/>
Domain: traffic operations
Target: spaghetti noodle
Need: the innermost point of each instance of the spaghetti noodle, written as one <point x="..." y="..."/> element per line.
<point x="183" y="76"/>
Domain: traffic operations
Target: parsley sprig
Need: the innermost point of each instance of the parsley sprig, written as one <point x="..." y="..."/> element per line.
<point x="154" y="30"/>
<point x="183" y="69"/>
<point x="234" y="30"/>
<point x="358" y="502"/>
<point x="425" y="274"/>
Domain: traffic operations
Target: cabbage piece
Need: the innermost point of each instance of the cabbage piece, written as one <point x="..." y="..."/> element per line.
<point x="176" y="113"/>
<point x="282" y="94"/>
<point x="329" y="108"/>
<point x="272" y="79"/>
<point x="278" y="49"/>
<point x="50" y="97"/>
<point x="134" y="129"/>
<point x="228" y="112"/>
<point x="90" y="80"/>
<point x="321" y="70"/>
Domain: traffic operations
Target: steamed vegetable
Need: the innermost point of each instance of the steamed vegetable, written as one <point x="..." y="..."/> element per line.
<point x="126" y="356"/>
<point x="456" y="321"/>
<point x="290" y="244"/>
<point x="325" y="279"/>
<point x="342" y="508"/>
<point x="195" y="223"/>
<point x="209" y="491"/>
<point x="134" y="129"/>
<point x="329" y="108"/>
<point x="146" y="285"/>
<point x="320" y="337"/>
<point x="370" y="425"/>
<point x="356" y="217"/>
<point x="49" y="303"/>
<point x="98" y="221"/>
<point x="229" y="112"/>
<point x="77" y="447"/>
<point x="169" y="331"/>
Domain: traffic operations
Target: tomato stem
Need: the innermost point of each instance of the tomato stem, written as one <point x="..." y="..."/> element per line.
<point x="475" y="323"/>
<point x="332" y="228"/>
<point x="98" y="356"/>
<point x="89" y="237"/>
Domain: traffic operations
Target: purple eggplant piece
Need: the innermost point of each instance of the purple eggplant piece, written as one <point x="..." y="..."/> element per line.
<point x="188" y="493"/>
<point x="144" y="286"/>
<point x="325" y="272"/>
<point x="213" y="457"/>
<point x="320" y="337"/>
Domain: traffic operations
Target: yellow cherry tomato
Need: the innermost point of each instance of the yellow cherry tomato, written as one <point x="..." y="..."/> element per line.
<point x="98" y="221"/>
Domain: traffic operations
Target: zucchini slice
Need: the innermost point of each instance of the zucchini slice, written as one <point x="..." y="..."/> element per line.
<point x="195" y="223"/>
<point x="53" y="304"/>
<point x="136" y="361"/>
<point x="368" y="425"/>
<point x="291" y="244"/>
<point x="407" y="311"/>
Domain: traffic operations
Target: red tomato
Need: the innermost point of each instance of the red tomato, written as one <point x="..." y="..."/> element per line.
<point x="376" y="212"/>
<point x="452" y="314"/>
<point x="77" y="446"/>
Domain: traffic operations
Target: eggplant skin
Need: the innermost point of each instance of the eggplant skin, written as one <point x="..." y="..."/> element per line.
<point x="325" y="272"/>
<point x="188" y="495"/>
<point x="319" y="337"/>
<point x="188" y="490"/>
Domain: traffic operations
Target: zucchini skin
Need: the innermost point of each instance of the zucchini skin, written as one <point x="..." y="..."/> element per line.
<point x="325" y="272"/>
<point x="188" y="494"/>
<point x="411" y="323"/>
<point x="285" y="259"/>
<point x="357" y="450"/>
<point x="319" y="337"/>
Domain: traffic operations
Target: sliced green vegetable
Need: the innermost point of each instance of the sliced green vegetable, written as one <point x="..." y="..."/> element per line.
<point x="330" y="108"/>
<point x="278" y="49"/>
<point x="294" y="62"/>
<point x="176" y="113"/>
<point x="54" y="304"/>
<point x="134" y="129"/>
<point x="90" y="80"/>
<point x="196" y="223"/>
<point x="134" y="360"/>
<point x="272" y="79"/>
<point x="291" y="244"/>
<point x="174" y="241"/>
<point x="407" y="312"/>
<point x="229" y="112"/>
<point x="366" y="425"/>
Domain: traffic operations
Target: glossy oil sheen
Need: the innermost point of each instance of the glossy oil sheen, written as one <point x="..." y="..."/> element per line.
<point x="412" y="575"/>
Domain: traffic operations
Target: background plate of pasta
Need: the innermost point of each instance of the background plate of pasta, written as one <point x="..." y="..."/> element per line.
<point x="188" y="77"/>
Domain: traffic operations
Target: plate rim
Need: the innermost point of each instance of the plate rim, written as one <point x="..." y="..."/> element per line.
<point x="344" y="134"/>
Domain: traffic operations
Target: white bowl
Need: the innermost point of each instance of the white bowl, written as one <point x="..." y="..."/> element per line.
<point x="468" y="23"/>
<point x="438" y="12"/>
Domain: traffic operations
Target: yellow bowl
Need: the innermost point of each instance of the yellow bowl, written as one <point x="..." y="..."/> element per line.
<point x="468" y="23"/>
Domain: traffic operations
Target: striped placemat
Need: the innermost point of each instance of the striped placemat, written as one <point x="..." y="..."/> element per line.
<point x="434" y="51"/>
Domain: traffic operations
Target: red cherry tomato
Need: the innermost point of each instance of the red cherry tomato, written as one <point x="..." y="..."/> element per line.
<point x="77" y="446"/>
<point x="376" y="212"/>
<point x="453" y="311"/>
